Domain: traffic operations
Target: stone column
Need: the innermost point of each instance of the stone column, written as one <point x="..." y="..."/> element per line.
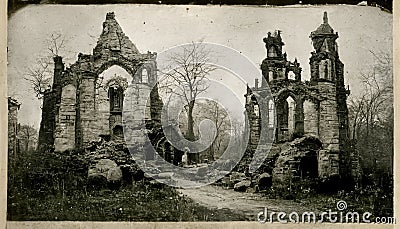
<point x="64" y="134"/>
<point x="87" y="108"/>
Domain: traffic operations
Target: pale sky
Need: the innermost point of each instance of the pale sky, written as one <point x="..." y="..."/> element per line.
<point x="159" y="27"/>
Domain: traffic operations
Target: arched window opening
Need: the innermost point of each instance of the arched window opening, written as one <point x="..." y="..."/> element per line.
<point x="116" y="95"/>
<point x="257" y="110"/>
<point x="291" y="108"/>
<point x="270" y="75"/>
<point x="325" y="70"/>
<point x="271" y="114"/>
<point x="286" y="119"/>
<point x="272" y="52"/>
<point x="291" y="75"/>
<point x="110" y="87"/>
<point x="145" y="76"/>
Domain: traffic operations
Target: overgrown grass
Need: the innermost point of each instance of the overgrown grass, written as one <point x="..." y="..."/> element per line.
<point x="52" y="186"/>
<point x="140" y="202"/>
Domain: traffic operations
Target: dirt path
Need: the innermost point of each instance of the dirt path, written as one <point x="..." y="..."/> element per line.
<point x="249" y="204"/>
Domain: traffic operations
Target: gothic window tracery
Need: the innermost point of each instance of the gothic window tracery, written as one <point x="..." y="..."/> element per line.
<point x="116" y="95"/>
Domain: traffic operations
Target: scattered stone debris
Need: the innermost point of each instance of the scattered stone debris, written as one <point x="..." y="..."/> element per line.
<point x="242" y="186"/>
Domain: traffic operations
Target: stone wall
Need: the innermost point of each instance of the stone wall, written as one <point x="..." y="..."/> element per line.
<point x="64" y="135"/>
<point x="328" y="119"/>
<point x="48" y="122"/>
<point x="87" y="110"/>
<point x="13" y="107"/>
<point x="311" y="118"/>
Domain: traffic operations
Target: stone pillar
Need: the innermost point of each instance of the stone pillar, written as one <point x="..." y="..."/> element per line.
<point x="88" y="120"/>
<point x="64" y="135"/>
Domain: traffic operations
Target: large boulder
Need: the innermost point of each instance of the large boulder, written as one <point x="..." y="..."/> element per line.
<point x="105" y="170"/>
<point x="114" y="175"/>
<point x="242" y="186"/>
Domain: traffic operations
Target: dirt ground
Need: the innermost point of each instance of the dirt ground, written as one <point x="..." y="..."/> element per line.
<point x="249" y="204"/>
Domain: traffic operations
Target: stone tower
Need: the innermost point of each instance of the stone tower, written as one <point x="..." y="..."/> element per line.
<point x="315" y="108"/>
<point x="276" y="66"/>
<point x="327" y="75"/>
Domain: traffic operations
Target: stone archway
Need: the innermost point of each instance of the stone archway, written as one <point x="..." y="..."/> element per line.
<point x="290" y="116"/>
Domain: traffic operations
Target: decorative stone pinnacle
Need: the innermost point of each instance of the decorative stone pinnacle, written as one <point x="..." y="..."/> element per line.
<point x="325" y="17"/>
<point x="110" y="15"/>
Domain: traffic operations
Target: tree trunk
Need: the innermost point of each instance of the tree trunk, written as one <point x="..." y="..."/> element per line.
<point x="190" y="121"/>
<point x="192" y="157"/>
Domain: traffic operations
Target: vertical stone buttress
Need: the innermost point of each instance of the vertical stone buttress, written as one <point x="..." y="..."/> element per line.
<point x="327" y="76"/>
<point x="50" y="106"/>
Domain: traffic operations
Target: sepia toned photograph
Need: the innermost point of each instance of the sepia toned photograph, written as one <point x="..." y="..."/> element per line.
<point x="190" y="113"/>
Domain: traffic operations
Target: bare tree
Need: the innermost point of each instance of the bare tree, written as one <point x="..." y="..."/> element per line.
<point x="40" y="74"/>
<point x="371" y="114"/>
<point x="56" y="43"/>
<point x="186" y="77"/>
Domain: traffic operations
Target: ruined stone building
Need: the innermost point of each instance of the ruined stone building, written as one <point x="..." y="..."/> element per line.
<point x="13" y="107"/>
<point x="305" y="108"/>
<point x="82" y="106"/>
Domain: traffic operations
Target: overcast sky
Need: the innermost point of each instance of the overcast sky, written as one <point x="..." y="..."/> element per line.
<point x="159" y="27"/>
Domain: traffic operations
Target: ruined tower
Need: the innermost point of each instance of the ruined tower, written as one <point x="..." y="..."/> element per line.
<point x="305" y="108"/>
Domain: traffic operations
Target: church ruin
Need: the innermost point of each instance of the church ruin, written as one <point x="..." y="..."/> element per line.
<point x="81" y="106"/>
<point x="305" y="108"/>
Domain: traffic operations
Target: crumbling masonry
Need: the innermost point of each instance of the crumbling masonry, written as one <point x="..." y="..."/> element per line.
<point x="81" y="106"/>
<point x="305" y="108"/>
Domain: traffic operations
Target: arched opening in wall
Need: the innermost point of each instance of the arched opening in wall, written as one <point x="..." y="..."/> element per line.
<point x="272" y="52"/>
<point x="271" y="113"/>
<point x="117" y="133"/>
<point x="257" y="110"/>
<point x="110" y="87"/>
<point x="286" y="119"/>
<point x="291" y="75"/>
<point x="270" y="75"/>
<point x="309" y="165"/>
<point x="145" y="76"/>
<point x="325" y="69"/>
